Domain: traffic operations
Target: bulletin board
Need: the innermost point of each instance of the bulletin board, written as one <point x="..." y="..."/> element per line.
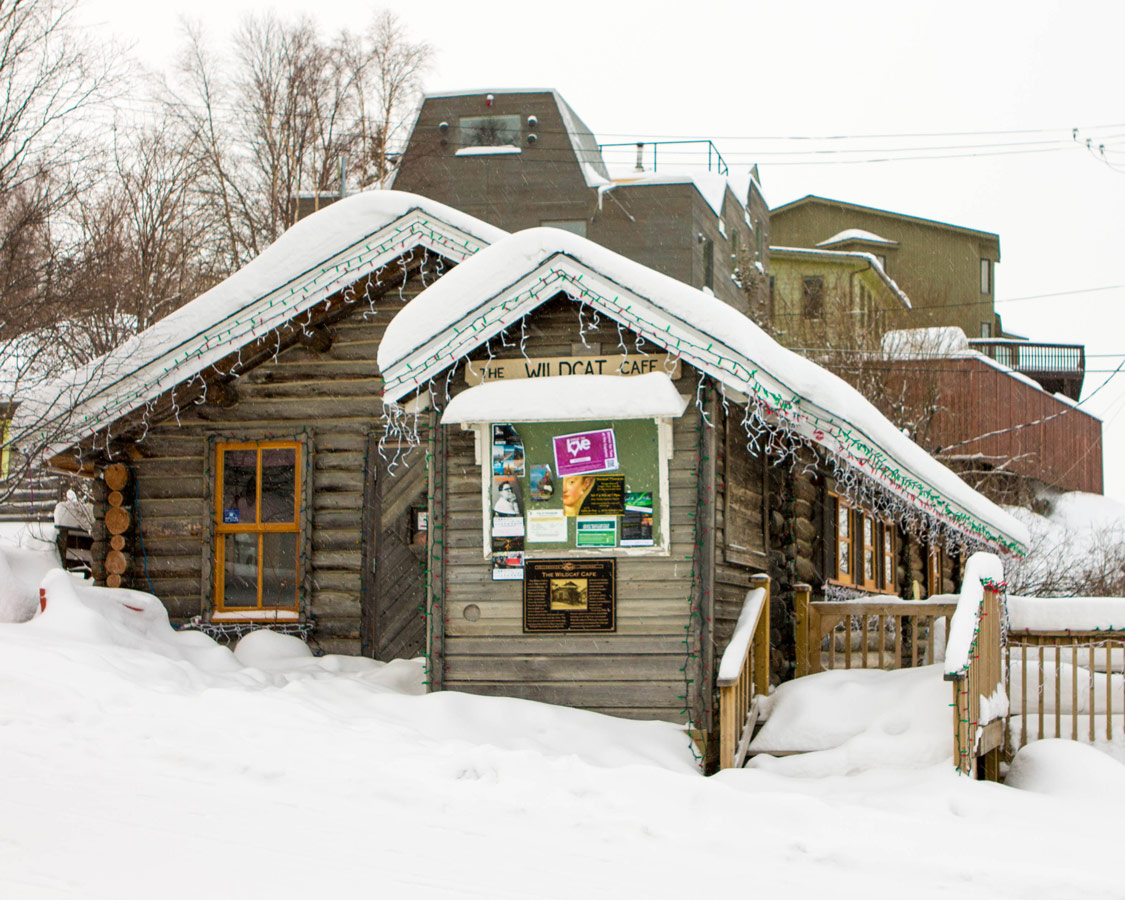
<point x="620" y="508"/>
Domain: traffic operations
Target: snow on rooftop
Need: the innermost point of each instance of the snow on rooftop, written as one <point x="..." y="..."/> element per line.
<point x="856" y="234"/>
<point x="711" y="186"/>
<point x="869" y="258"/>
<point x="567" y="397"/>
<point x="926" y="343"/>
<point x="507" y="280"/>
<point x="310" y="262"/>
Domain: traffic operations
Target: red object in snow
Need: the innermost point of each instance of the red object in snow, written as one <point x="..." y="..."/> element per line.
<point x="42" y="599"/>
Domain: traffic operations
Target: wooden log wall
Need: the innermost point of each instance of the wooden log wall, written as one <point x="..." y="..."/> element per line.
<point x="335" y="394"/>
<point x="636" y="672"/>
<point x="741" y="515"/>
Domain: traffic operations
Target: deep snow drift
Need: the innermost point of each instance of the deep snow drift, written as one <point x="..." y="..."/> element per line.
<point x="138" y="762"/>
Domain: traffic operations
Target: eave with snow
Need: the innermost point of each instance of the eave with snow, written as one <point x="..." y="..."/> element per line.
<point x="376" y="234"/>
<point x="495" y="290"/>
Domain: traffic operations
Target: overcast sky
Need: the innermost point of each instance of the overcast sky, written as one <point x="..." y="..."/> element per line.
<point x="996" y="88"/>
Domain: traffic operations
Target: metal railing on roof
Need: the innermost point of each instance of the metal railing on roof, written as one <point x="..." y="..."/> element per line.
<point x="1032" y="358"/>
<point x="714" y="157"/>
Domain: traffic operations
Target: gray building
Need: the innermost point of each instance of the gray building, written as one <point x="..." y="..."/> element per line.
<point x="521" y="159"/>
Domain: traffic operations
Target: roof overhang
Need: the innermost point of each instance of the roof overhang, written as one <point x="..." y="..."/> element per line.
<point x="501" y="285"/>
<point x="314" y="260"/>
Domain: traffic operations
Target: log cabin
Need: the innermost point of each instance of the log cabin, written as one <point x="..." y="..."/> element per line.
<point x="555" y="473"/>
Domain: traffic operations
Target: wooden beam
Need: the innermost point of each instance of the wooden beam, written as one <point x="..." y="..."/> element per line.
<point x="317" y="338"/>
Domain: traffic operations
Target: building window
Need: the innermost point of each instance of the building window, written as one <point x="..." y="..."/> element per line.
<point x="934" y="574"/>
<point x="986" y="329"/>
<point x="986" y="276"/>
<point x="887" y="556"/>
<point x="709" y="263"/>
<point x="867" y="551"/>
<point x="814" y="298"/>
<point x="490" y="131"/>
<point x="257" y="525"/>
<point x="574" y="226"/>
<point x="843" y="541"/>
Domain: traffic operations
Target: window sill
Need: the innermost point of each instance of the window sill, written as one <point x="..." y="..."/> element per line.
<point x="255" y="615"/>
<point x="499" y="150"/>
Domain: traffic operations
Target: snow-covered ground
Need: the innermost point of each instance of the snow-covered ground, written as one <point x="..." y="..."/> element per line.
<point x="136" y="761"/>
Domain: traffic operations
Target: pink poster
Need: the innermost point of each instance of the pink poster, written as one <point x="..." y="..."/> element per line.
<point x="585" y="451"/>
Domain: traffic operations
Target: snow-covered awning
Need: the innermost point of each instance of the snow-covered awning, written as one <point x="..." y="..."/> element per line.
<point x="562" y="398"/>
<point x="495" y="289"/>
<point x="316" y="258"/>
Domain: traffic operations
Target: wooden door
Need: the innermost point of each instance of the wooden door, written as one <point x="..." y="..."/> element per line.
<point x="392" y="625"/>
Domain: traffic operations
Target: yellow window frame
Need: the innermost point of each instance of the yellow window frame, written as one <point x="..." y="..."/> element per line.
<point x="222" y="529"/>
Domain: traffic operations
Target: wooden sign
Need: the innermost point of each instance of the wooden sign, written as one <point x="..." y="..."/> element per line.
<point x="479" y="371"/>
<point x="569" y="595"/>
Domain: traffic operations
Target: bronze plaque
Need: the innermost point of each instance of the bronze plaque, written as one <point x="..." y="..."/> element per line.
<point x="571" y="595"/>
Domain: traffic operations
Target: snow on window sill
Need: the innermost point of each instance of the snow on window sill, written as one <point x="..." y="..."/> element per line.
<point x="255" y="615"/>
<point x="499" y="150"/>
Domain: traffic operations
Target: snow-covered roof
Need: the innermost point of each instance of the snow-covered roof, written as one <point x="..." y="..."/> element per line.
<point x="503" y="283"/>
<point x="926" y="343"/>
<point x="857" y="234"/>
<point x="310" y="262"/>
<point x="567" y="398"/>
<point x="711" y="186"/>
<point x="847" y="255"/>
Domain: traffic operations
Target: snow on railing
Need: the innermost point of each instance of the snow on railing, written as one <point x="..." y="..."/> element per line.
<point x="974" y="663"/>
<point x="743" y="674"/>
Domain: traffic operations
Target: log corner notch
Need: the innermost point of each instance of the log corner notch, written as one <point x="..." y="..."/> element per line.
<point x="117" y="523"/>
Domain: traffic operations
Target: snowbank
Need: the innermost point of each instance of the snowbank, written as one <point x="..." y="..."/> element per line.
<point x="850" y="720"/>
<point x="1067" y="769"/>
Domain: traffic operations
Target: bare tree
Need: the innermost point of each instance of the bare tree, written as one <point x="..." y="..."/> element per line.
<point x="291" y="113"/>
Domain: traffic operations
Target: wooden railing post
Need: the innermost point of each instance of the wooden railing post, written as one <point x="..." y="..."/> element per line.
<point x="802" y="638"/>
<point x="760" y="648"/>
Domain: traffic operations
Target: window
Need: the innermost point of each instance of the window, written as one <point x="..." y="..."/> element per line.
<point x="934" y="574"/>
<point x="574" y="226"/>
<point x="490" y="131"/>
<point x="887" y="557"/>
<point x="986" y="329"/>
<point x="867" y="551"/>
<point x="257" y="508"/>
<point x="814" y="298"/>
<point x="709" y="263"/>
<point x="843" y="541"/>
<point x="986" y="276"/>
<point x="865" y="548"/>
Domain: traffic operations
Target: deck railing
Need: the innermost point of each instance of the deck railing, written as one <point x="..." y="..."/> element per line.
<point x="1063" y="684"/>
<point x="744" y="673"/>
<point x="974" y="664"/>
<point x="868" y="633"/>
<point x="1033" y="358"/>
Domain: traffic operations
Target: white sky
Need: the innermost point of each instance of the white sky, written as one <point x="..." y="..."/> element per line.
<point x="732" y="70"/>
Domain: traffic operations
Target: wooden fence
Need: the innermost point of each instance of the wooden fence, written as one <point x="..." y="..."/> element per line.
<point x="744" y="673"/>
<point x="1063" y="684"/>
<point x="868" y="633"/>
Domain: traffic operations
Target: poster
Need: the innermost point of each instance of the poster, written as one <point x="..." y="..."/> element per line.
<point x="546" y="526"/>
<point x="595" y="531"/>
<point x="584" y="452"/>
<point x="541" y="483"/>
<point x="593" y="495"/>
<point x="507" y="451"/>
<point x="506" y="496"/>
<point x="508" y="566"/>
<point x="636" y="529"/>
<point x="507" y="526"/>
<point x="636" y="523"/>
<point x="570" y="595"/>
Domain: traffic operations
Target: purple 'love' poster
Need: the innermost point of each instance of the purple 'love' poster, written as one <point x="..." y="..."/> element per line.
<point x="585" y="451"/>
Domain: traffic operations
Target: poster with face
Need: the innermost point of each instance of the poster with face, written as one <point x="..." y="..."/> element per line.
<point x="506" y="496"/>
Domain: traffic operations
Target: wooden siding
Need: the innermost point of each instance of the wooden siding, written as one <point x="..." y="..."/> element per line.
<point x="975" y="398"/>
<point x="334" y="396"/>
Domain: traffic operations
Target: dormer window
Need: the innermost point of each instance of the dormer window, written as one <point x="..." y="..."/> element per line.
<point x="490" y="131"/>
